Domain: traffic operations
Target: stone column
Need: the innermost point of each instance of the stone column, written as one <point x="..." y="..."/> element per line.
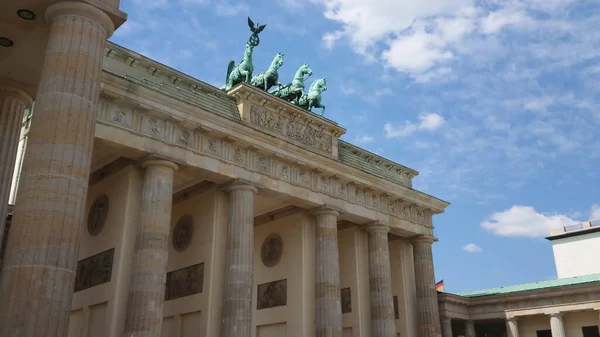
<point x="328" y="305"/>
<point x="428" y="316"/>
<point x="13" y="102"/>
<point x="447" y="327"/>
<point x="36" y="288"/>
<point x="469" y="328"/>
<point x="512" y="328"/>
<point x="556" y="325"/>
<point x="380" y="282"/>
<point x="239" y="267"/>
<point x="149" y="269"/>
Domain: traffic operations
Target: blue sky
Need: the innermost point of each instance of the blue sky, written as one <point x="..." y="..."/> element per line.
<point x="496" y="103"/>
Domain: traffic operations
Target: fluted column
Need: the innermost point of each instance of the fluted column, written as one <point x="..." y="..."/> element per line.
<point x="556" y="325"/>
<point x="380" y="282"/>
<point x="428" y="317"/>
<point x="447" y="327"/>
<point x="39" y="272"/>
<point x="239" y="267"/>
<point x="512" y="328"/>
<point x="328" y="313"/>
<point x="13" y="102"/>
<point x="469" y="328"/>
<point x="149" y="269"/>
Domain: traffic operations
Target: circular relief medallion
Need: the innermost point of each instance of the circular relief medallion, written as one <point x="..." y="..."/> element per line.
<point x="97" y="215"/>
<point x="271" y="250"/>
<point x="182" y="233"/>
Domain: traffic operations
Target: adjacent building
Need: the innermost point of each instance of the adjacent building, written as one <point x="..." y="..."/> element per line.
<point x="568" y="306"/>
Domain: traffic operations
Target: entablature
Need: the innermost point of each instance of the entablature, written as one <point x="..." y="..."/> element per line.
<point x="153" y="115"/>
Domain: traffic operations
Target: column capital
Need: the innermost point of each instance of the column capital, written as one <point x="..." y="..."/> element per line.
<point x="511" y="319"/>
<point x="15" y="91"/>
<point x="159" y="162"/>
<point x="324" y="210"/>
<point x="423" y="239"/>
<point x="375" y="227"/>
<point x="556" y="314"/>
<point x="238" y="185"/>
<point x="81" y="9"/>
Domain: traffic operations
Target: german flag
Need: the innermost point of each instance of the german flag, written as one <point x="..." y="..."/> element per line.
<point x="439" y="286"/>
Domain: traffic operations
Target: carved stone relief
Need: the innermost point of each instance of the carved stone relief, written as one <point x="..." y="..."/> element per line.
<point x="263" y="164"/>
<point x="272" y="294"/>
<point x="213" y="146"/>
<point x="155" y="127"/>
<point x="121" y="117"/>
<point x="346" y="300"/>
<point x="359" y="195"/>
<point x="375" y="201"/>
<point x="284" y="173"/>
<point x="304" y="178"/>
<point x="94" y="270"/>
<point x="97" y="215"/>
<point x="185" y="138"/>
<point x="272" y="249"/>
<point x="182" y="233"/>
<point x="303" y="134"/>
<point x="420" y="215"/>
<point x="238" y="156"/>
<point x="184" y="282"/>
<point x="324" y="183"/>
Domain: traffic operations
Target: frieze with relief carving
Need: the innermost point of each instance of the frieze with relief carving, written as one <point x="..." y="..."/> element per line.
<point x="271" y="295"/>
<point x="293" y="130"/>
<point x="94" y="270"/>
<point x="184" y="282"/>
<point x="248" y="157"/>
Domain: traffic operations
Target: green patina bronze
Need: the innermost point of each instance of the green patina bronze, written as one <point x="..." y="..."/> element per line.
<point x="313" y="98"/>
<point x="242" y="72"/>
<point x="292" y="92"/>
<point x="269" y="78"/>
<point x="255" y="29"/>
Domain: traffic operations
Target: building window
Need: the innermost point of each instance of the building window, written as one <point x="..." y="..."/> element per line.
<point x="544" y="333"/>
<point x="590" y="331"/>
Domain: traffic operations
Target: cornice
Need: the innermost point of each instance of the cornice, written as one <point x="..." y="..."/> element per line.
<point x="521" y="295"/>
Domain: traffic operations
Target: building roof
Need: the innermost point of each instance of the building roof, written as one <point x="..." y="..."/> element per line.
<point x="562" y="282"/>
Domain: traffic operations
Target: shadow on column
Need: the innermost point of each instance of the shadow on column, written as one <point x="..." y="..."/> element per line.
<point x="5" y="236"/>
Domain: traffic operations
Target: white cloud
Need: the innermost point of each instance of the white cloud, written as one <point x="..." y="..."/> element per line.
<point x="226" y="9"/>
<point x="595" y="213"/>
<point x="472" y="248"/>
<point x="525" y="221"/>
<point x="364" y="139"/>
<point x="417" y="37"/>
<point x="427" y="122"/>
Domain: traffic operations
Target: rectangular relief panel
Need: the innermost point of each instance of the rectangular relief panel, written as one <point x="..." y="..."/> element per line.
<point x="94" y="270"/>
<point x="271" y="295"/>
<point x="346" y="301"/>
<point x="184" y="282"/>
